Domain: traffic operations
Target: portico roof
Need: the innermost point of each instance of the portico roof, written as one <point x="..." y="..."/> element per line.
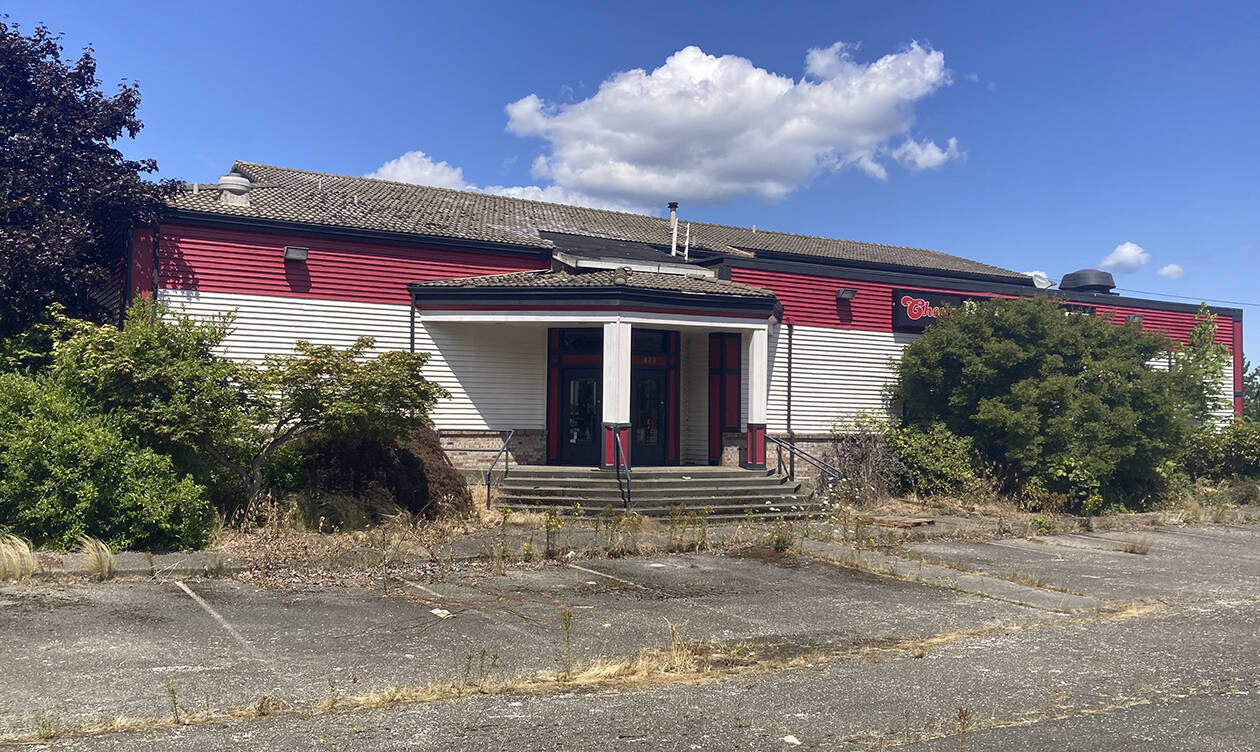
<point x="601" y="289"/>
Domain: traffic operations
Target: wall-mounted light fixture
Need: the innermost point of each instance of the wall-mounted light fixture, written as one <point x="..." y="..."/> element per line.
<point x="1133" y="318"/>
<point x="846" y="293"/>
<point x="294" y="253"/>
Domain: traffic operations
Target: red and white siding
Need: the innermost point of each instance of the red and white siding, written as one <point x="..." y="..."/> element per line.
<point x="843" y="353"/>
<point x="349" y="289"/>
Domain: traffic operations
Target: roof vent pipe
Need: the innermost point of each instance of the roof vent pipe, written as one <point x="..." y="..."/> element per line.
<point x="673" y="228"/>
<point x="234" y="189"/>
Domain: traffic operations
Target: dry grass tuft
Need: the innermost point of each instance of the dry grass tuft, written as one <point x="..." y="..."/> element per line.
<point x="98" y="560"/>
<point x="1141" y="546"/>
<point x="16" y="560"/>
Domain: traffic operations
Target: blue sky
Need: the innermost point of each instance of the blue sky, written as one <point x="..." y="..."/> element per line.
<point x="1078" y="128"/>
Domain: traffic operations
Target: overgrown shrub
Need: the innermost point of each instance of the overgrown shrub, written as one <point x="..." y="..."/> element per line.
<point x="1233" y="450"/>
<point x="354" y="479"/>
<point x="65" y="473"/>
<point x="934" y="460"/>
<point x="869" y="470"/>
<point x="1060" y="403"/>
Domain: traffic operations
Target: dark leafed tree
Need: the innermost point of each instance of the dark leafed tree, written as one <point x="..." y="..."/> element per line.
<point x="68" y="197"/>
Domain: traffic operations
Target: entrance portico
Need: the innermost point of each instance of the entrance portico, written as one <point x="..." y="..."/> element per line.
<point x="638" y="370"/>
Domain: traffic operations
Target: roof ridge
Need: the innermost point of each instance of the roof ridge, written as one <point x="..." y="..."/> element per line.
<point x="405" y="184"/>
<point x="700" y="223"/>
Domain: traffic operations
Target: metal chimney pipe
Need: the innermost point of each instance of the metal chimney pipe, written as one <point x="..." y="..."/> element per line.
<point x="673" y="228"/>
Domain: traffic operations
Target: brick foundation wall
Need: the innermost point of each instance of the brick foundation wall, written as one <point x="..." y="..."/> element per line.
<point x="529" y="447"/>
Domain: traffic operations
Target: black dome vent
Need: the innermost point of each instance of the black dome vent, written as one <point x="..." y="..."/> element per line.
<point x="1088" y="280"/>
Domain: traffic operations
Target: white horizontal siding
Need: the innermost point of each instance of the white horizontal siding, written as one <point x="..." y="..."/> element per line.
<point x="496" y="374"/>
<point x="836" y="374"/>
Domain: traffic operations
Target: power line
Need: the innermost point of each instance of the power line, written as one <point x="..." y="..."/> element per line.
<point x="1191" y="297"/>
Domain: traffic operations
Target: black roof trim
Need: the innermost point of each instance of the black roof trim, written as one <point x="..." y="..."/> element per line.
<point x="351" y="233"/>
<point x="601" y="296"/>
<point x="826" y="261"/>
<point x="912" y="279"/>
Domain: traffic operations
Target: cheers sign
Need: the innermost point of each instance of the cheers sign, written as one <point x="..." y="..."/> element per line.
<point x="913" y="310"/>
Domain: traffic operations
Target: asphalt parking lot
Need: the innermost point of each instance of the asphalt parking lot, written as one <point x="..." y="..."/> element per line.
<point x="1164" y="657"/>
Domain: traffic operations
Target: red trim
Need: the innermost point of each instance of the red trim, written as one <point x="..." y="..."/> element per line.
<point x="423" y="306"/>
<point x="1238" y="369"/>
<point x="672" y="455"/>
<point x="724" y="386"/>
<point x="140" y="272"/>
<point x="755" y="449"/>
<point x="610" y="449"/>
<point x="214" y="259"/>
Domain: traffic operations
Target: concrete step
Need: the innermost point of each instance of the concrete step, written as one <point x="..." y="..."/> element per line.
<point x="656" y="492"/>
<point x="578" y="474"/>
<point x="779" y="509"/>
<point x="645" y="505"/>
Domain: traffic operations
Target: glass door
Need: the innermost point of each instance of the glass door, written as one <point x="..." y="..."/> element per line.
<point x="648" y="427"/>
<point x="581" y="410"/>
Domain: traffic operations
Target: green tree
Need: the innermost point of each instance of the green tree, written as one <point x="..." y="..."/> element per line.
<point x="162" y="378"/>
<point x="68" y="197"/>
<point x="1056" y="402"/>
<point x="1251" y="392"/>
<point x="1200" y="368"/>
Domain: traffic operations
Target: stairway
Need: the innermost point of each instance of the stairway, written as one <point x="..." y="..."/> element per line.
<point x="731" y="493"/>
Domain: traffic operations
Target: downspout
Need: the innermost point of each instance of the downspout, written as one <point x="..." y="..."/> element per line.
<point x="412" y="311"/>
<point x="791" y="434"/>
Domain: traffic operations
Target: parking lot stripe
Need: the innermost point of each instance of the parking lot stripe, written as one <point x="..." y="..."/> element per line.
<point x="609" y="576"/>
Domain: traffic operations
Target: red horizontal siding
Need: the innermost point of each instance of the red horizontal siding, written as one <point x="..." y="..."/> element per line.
<point x="210" y="259"/>
<point x="810" y="300"/>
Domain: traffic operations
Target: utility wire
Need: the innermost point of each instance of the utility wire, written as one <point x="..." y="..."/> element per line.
<point x="1191" y="297"/>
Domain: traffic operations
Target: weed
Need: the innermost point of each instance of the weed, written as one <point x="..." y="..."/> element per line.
<point x="46" y="725"/>
<point x="332" y="693"/>
<point x="551" y="527"/>
<point x="782" y="538"/>
<point x="267" y="705"/>
<point x="16" y="560"/>
<point x="965" y="723"/>
<point x="1141" y="546"/>
<point x="173" y="692"/>
<point x="98" y="560"/>
<point x="1044" y="525"/>
<point x="484" y="671"/>
<point x="527" y="549"/>
<point x="566" y="626"/>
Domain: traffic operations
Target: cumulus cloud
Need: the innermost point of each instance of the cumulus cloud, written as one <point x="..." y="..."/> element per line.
<point x="708" y="128"/>
<point x="419" y="168"/>
<point x="925" y="155"/>
<point x="1171" y="271"/>
<point x="1126" y="257"/>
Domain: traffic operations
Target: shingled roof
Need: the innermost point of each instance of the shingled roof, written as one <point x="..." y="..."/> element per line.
<point x="612" y="279"/>
<point x="315" y="198"/>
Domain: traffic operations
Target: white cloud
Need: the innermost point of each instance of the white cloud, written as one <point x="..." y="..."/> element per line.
<point x="417" y="167"/>
<point x="708" y="128"/>
<point x="1126" y="257"/>
<point x="1172" y="271"/>
<point x="925" y="155"/>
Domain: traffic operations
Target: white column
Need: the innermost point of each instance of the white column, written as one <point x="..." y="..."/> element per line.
<point x="617" y="373"/>
<point x="758" y="375"/>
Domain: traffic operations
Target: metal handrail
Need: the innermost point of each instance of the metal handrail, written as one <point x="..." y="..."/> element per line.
<point x="507" y="462"/>
<point x="831" y="471"/>
<point x="621" y="459"/>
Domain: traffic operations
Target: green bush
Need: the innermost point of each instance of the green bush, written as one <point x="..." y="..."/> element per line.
<point x="65" y="472"/>
<point x="935" y="461"/>
<point x="1060" y="403"/>
<point x="1231" y="451"/>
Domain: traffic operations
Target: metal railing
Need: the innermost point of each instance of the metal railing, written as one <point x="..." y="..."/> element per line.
<point x="502" y="451"/>
<point x="621" y="459"/>
<point x="829" y="471"/>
